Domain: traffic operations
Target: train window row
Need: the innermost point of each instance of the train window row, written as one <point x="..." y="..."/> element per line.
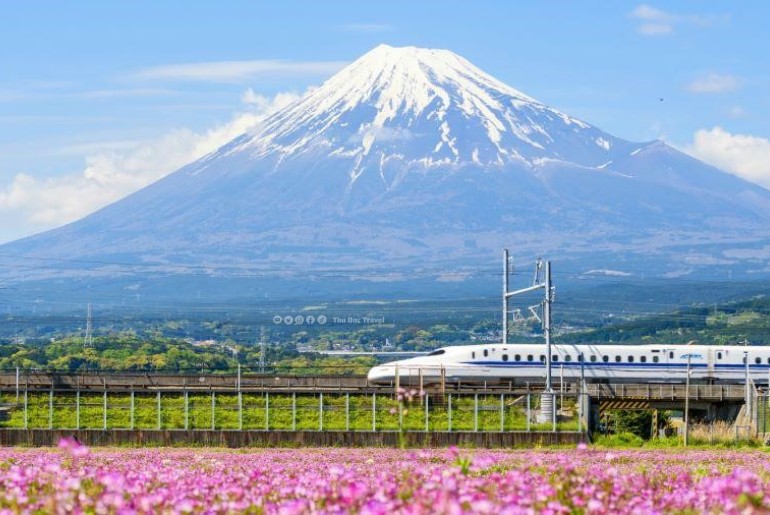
<point x="593" y="358"/>
<point x="580" y="358"/>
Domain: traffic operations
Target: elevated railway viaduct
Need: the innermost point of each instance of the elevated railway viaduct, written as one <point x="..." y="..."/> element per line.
<point x="204" y="408"/>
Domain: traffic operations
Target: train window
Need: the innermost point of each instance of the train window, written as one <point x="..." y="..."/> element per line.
<point x="671" y="354"/>
<point x="617" y="359"/>
<point x="605" y="358"/>
<point x="439" y="352"/>
<point x="768" y="361"/>
<point x="643" y="359"/>
<point x="505" y="357"/>
<point x="744" y="360"/>
<point x="542" y="358"/>
<point x="719" y="355"/>
<point x="517" y="357"/>
<point x="567" y="358"/>
<point x="757" y="360"/>
<point x="630" y="359"/>
<point x="473" y="355"/>
<point x="655" y="359"/>
<point x="554" y="358"/>
<point x="486" y="353"/>
<point x="581" y="358"/>
<point x="530" y="357"/>
<point x="593" y="357"/>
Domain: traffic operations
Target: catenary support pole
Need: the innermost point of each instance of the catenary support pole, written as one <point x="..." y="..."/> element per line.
<point x="505" y="296"/>
<point x="77" y="409"/>
<point x="160" y="411"/>
<point x="547" y="329"/>
<point x="186" y="410"/>
<point x="131" y="408"/>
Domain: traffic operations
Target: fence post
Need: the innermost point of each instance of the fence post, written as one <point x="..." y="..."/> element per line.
<point x="321" y="411"/>
<point x="26" y="405"/>
<point x="77" y="409"/>
<point x="213" y="407"/>
<point x="427" y="413"/>
<point x="449" y="412"/>
<point x="186" y="410"/>
<point x="374" y="411"/>
<point x="529" y="412"/>
<point x="267" y="411"/>
<point x="50" y="407"/>
<point x="240" y="409"/>
<point x="294" y="411"/>
<point x="104" y="410"/>
<point x="555" y="413"/>
<point x="132" y="409"/>
<point x="347" y="412"/>
<point x="502" y="412"/>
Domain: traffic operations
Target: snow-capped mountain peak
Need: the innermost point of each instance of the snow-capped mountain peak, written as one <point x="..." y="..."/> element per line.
<point x="436" y="107"/>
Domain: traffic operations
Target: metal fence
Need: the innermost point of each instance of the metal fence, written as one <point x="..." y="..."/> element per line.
<point x="266" y="410"/>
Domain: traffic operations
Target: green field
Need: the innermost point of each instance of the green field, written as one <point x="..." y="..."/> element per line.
<point x="267" y="411"/>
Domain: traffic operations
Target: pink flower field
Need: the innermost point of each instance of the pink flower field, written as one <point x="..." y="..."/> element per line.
<point x="74" y="479"/>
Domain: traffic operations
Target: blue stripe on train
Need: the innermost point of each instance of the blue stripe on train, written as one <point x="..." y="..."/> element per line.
<point x="601" y="364"/>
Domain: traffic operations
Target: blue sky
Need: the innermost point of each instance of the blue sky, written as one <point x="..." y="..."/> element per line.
<point x="99" y="98"/>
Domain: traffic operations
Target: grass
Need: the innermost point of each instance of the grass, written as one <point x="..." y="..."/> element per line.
<point x="260" y="411"/>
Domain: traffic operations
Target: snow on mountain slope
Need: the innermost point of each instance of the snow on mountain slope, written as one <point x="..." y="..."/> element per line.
<point x="425" y="106"/>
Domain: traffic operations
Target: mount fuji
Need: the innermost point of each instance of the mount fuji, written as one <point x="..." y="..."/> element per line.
<point x="413" y="163"/>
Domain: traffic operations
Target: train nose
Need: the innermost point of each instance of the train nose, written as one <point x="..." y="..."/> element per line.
<point x="381" y="374"/>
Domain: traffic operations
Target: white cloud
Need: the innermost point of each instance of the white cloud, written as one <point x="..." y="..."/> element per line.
<point x="657" y="22"/>
<point x="238" y="71"/>
<point x="120" y="168"/>
<point x="654" y="22"/>
<point x="264" y="103"/>
<point x="740" y="154"/>
<point x="714" y="83"/>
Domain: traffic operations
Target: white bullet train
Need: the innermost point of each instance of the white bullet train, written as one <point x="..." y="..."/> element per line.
<point x="522" y="363"/>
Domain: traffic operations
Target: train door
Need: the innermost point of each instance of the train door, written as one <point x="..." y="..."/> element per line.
<point x="710" y="356"/>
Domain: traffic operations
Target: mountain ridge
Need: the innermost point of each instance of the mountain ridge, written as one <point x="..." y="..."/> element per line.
<point x="418" y="159"/>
